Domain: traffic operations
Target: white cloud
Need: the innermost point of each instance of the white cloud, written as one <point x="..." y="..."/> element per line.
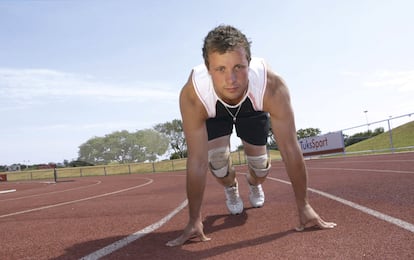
<point x="350" y="73"/>
<point x="402" y="81"/>
<point x="107" y="126"/>
<point x="30" y="86"/>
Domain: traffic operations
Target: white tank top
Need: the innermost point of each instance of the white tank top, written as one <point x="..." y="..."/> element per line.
<point x="203" y="85"/>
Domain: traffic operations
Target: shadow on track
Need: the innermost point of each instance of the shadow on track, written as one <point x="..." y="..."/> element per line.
<point x="152" y="246"/>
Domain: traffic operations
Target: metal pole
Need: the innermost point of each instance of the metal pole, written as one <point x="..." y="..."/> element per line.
<point x="55" y="174"/>
<point x="390" y="132"/>
<point x="366" y="118"/>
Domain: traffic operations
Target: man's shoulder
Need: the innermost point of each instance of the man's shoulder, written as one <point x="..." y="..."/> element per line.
<point x="200" y="71"/>
<point x="257" y="64"/>
<point x="200" y="76"/>
<point x="193" y="99"/>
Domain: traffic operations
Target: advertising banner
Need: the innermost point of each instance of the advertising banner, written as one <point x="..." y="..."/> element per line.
<point x="322" y="144"/>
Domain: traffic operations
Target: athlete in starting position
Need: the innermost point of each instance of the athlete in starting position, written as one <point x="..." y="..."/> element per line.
<point x="232" y="88"/>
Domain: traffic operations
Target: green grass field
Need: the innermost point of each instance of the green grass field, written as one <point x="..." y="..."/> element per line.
<point x="402" y="137"/>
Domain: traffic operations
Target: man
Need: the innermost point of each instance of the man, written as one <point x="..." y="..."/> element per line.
<point x="231" y="88"/>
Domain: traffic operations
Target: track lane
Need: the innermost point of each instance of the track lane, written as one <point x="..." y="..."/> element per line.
<point x="76" y="230"/>
<point x="105" y="213"/>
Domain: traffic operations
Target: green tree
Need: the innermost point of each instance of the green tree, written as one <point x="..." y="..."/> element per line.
<point x="301" y="133"/>
<point x="174" y="132"/>
<point x="124" y="147"/>
<point x="308" y="132"/>
<point x="153" y="143"/>
<point x="92" y="151"/>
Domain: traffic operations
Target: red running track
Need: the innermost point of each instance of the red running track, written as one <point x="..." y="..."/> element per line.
<point x="371" y="198"/>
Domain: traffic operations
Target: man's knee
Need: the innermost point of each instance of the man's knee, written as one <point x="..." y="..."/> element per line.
<point x="219" y="161"/>
<point x="259" y="165"/>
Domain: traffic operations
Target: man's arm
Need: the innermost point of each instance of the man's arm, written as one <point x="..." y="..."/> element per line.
<point x="277" y="103"/>
<point x="194" y="117"/>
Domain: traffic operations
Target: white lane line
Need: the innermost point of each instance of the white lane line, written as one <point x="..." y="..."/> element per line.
<point x="53" y="192"/>
<point x="327" y="161"/>
<point x="131" y="238"/>
<point x="75" y="201"/>
<point x="360" y="170"/>
<point x="7" y="191"/>
<point x="398" y="222"/>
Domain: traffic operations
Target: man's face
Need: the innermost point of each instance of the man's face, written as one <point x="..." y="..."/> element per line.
<point x="229" y="72"/>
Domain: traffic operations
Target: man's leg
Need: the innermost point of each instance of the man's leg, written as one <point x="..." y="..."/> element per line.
<point x="259" y="165"/>
<point x="220" y="166"/>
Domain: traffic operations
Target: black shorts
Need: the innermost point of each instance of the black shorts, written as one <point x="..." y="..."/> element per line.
<point x="252" y="127"/>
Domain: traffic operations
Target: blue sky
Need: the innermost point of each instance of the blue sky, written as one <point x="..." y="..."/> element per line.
<point x="71" y="70"/>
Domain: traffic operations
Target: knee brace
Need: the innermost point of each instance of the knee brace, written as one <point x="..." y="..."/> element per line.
<point x="260" y="165"/>
<point x="218" y="161"/>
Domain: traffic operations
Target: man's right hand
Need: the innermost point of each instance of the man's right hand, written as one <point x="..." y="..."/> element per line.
<point x="309" y="218"/>
<point x="191" y="231"/>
